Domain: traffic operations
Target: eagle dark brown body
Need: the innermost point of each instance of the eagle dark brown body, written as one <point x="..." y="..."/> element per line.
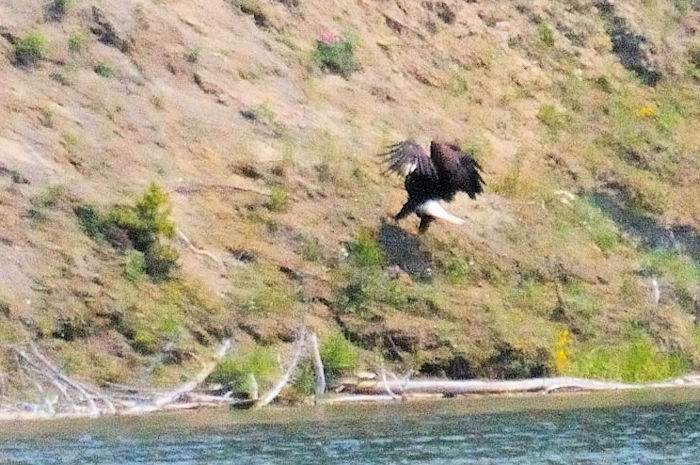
<point x="430" y="178"/>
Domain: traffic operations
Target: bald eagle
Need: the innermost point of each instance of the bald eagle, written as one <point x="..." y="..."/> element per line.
<point x="430" y="178"/>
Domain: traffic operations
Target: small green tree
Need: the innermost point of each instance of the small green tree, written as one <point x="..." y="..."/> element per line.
<point x="140" y="227"/>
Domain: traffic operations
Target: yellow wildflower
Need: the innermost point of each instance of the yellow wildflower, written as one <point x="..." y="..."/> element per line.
<point x="645" y="111"/>
<point x="562" y="344"/>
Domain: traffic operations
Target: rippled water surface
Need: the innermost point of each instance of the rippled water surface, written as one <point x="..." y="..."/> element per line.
<point x="639" y="428"/>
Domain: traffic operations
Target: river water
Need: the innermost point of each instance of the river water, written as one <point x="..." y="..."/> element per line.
<point x="661" y="427"/>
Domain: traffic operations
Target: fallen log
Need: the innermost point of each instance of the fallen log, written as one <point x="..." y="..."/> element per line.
<point x="473" y="386"/>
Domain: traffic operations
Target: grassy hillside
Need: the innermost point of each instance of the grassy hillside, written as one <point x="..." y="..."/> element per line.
<point x="252" y="127"/>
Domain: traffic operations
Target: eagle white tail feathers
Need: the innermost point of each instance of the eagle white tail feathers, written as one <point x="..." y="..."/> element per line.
<point x="434" y="209"/>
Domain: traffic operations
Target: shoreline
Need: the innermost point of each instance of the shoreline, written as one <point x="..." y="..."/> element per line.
<point x="483" y="401"/>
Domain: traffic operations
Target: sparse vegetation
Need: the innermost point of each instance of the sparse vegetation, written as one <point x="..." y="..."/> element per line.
<point x="69" y="141"/>
<point x="645" y="193"/>
<point x="43" y="202"/>
<point x="77" y="42"/>
<point x="458" y="85"/>
<point x="365" y="286"/>
<point x="550" y="117"/>
<point x="192" y="54"/>
<point x="4" y="305"/>
<point x="59" y="8"/>
<point x="277" y="201"/>
<point x="337" y="55"/>
<point x="693" y="65"/>
<point x="587" y="125"/>
<point x="456" y="269"/>
<point x="364" y="250"/>
<point x="677" y="271"/>
<point x="545" y="34"/>
<point x="312" y="251"/>
<point x="103" y="69"/>
<point x="30" y="49"/>
<point x="253" y="8"/>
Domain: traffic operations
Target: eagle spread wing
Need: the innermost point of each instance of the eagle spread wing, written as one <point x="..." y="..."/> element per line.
<point x="407" y="157"/>
<point x="457" y="170"/>
<point x="434" y="177"/>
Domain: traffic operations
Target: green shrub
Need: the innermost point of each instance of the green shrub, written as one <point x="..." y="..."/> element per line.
<point x="579" y="300"/>
<point x="363" y="282"/>
<point x="89" y="220"/>
<point x="253" y="8"/>
<point x="545" y="34"/>
<point x="30" y="49"/>
<point x="160" y="260"/>
<point x="234" y="371"/>
<point x="337" y="57"/>
<point x="338" y="355"/>
<point x="277" y="201"/>
<point x="267" y="299"/>
<point x="636" y="360"/>
<point x="135" y="265"/>
<point x="605" y="237"/>
<point x="59" y="8"/>
<point x="103" y="69"/>
<point x="49" y="197"/>
<point x="69" y="141"/>
<point x="77" y="42"/>
<point x="602" y="230"/>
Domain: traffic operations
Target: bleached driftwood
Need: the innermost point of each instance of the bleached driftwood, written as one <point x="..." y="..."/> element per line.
<point x="171" y="396"/>
<point x="81" y="400"/>
<point x="358" y="398"/>
<point x="197" y="251"/>
<point x="222" y="189"/>
<point x="386" y="386"/>
<point x="88" y="393"/>
<point x="253" y="387"/>
<point x="279" y="385"/>
<point x="320" y="385"/>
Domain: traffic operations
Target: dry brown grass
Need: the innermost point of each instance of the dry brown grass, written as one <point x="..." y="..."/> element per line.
<point x="534" y="91"/>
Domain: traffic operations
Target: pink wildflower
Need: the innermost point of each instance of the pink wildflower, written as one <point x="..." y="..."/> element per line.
<point x="329" y="37"/>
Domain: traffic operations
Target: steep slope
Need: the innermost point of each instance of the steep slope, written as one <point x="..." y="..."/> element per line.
<point x="264" y="134"/>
